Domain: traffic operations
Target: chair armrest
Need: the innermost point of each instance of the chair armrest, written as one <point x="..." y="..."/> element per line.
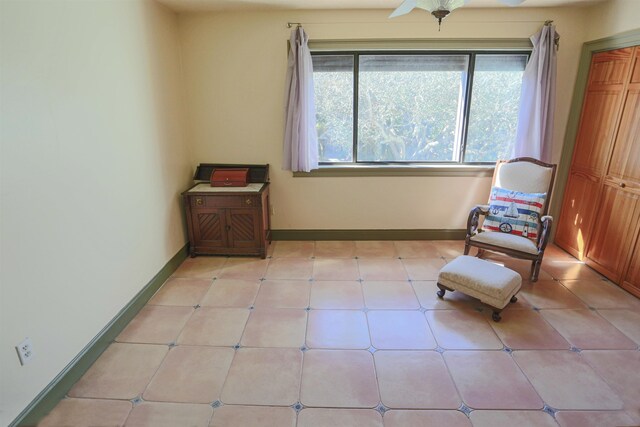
<point x="474" y="217"/>
<point x="547" y="222"/>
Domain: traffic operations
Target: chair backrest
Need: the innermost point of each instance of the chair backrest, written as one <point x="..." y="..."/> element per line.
<point x="527" y="175"/>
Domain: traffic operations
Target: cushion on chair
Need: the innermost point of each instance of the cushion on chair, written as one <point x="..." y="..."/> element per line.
<point x="514" y="212"/>
<point x="526" y="177"/>
<point x="505" y="240"/>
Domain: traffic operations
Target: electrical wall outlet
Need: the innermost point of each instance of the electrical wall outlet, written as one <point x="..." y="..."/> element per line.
<point x="25" y="351"/>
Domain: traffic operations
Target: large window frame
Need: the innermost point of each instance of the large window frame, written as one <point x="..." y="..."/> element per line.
<point x="466" y="107"/>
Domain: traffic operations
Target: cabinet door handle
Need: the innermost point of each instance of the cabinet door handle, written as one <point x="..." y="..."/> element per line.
<point x="199" y="201"/>
<point x="248" y="201"/>
<point x="622" y="185"/>
<point x="228" y="228"/>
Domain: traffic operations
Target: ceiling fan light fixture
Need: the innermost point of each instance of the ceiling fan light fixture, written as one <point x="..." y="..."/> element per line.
<point x="440" y="14"/>
<point x="440" y="9"/>
<point x="433" y="5"/>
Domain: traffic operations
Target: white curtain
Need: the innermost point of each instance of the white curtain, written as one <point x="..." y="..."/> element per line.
<point x="300" y="136"/>
<point x="537" y="100"/>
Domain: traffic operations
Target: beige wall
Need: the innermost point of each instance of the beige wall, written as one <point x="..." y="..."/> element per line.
<point x="235" y="66"/>
<point x="93" y="160"/>
<point x="613" y="17"/>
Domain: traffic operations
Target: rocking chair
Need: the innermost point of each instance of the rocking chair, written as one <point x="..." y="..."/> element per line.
<point x="521" y="175"/>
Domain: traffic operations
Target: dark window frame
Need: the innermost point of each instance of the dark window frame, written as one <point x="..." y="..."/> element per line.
<point x="466" y="107"/>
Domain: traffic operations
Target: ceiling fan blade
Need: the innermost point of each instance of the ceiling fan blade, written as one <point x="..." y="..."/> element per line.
<point x="511" y="2"/>
<point x="406" y="7"/>
<point x="454" y="4"/>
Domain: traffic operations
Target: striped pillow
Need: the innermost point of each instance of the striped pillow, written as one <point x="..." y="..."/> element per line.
<point x="514" y="212"/>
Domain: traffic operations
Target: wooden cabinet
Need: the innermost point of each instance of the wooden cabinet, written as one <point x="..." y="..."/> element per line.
<point x="228" y="221"/>
<point x="601" y="208"/>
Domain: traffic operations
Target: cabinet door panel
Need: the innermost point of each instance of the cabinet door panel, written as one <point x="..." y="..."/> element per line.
<point x="577" y="214"/>
<point x="611" y="237"/>
<point x="597" y="127"/>
<point x="600" y="109"/>
<point x="244" y="230"/>
<point x="631" y="281"/>
<point x="625" y="162"/>
<point x="610" y="67"/>
<point x="209" y="225"/>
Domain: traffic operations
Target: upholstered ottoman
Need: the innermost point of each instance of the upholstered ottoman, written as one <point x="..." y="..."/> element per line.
<point x="492" y="284"/>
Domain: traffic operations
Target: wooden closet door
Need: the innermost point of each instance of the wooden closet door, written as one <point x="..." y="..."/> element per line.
<point x="598" y="123"/>
<point x="624" y="168"/>
<point x="611" y="239"/>
<point x="631" y="280"/>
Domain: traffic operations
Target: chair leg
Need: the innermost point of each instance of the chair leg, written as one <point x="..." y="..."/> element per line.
<point x="480" y="253"/>
<point x="466" y="248"/>
<point x="535" y="270"/>
<point x="496" y="315"/>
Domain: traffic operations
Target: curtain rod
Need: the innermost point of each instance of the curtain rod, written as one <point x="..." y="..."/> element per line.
<point x="299" y="24"/>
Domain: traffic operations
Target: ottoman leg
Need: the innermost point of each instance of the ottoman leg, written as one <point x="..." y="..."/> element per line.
<point x="513" y="299"/>
<point x="496" y="315"/>
<point x="442" y="290"/>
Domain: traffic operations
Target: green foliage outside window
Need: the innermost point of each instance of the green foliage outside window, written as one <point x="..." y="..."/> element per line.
<point x="412" y="108"/>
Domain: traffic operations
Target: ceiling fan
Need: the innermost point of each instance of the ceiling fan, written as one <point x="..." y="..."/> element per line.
<point x="439" y="8"/>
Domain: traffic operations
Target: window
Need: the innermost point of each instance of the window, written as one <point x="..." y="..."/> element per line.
<point x="416" y="107"/>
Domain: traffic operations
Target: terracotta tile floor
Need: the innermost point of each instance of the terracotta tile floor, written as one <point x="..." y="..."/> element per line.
<point x="347" y="334"/>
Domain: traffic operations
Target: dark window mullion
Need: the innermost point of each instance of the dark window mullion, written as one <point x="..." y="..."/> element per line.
<point x="356" y="71"/>
<point x="467" y="107"/>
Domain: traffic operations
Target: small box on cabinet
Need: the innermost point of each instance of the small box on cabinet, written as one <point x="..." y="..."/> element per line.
<point x="229" y="177"/>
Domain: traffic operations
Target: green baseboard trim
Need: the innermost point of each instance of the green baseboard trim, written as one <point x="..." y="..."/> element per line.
<point x="420" y="234"/>
<point x="48" y="398"/>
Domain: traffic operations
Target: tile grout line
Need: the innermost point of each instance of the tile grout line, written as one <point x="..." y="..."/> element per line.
<point x="455" y="385"/>
<point x="235" y="350"/>
<point x="195" y="307"/>
<point x="305" y="344"/>
<point x="515" y="361"/>
<point x="147" y="386"/>
<point x="166" y="354"/>
<point x="370" y="338"/>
